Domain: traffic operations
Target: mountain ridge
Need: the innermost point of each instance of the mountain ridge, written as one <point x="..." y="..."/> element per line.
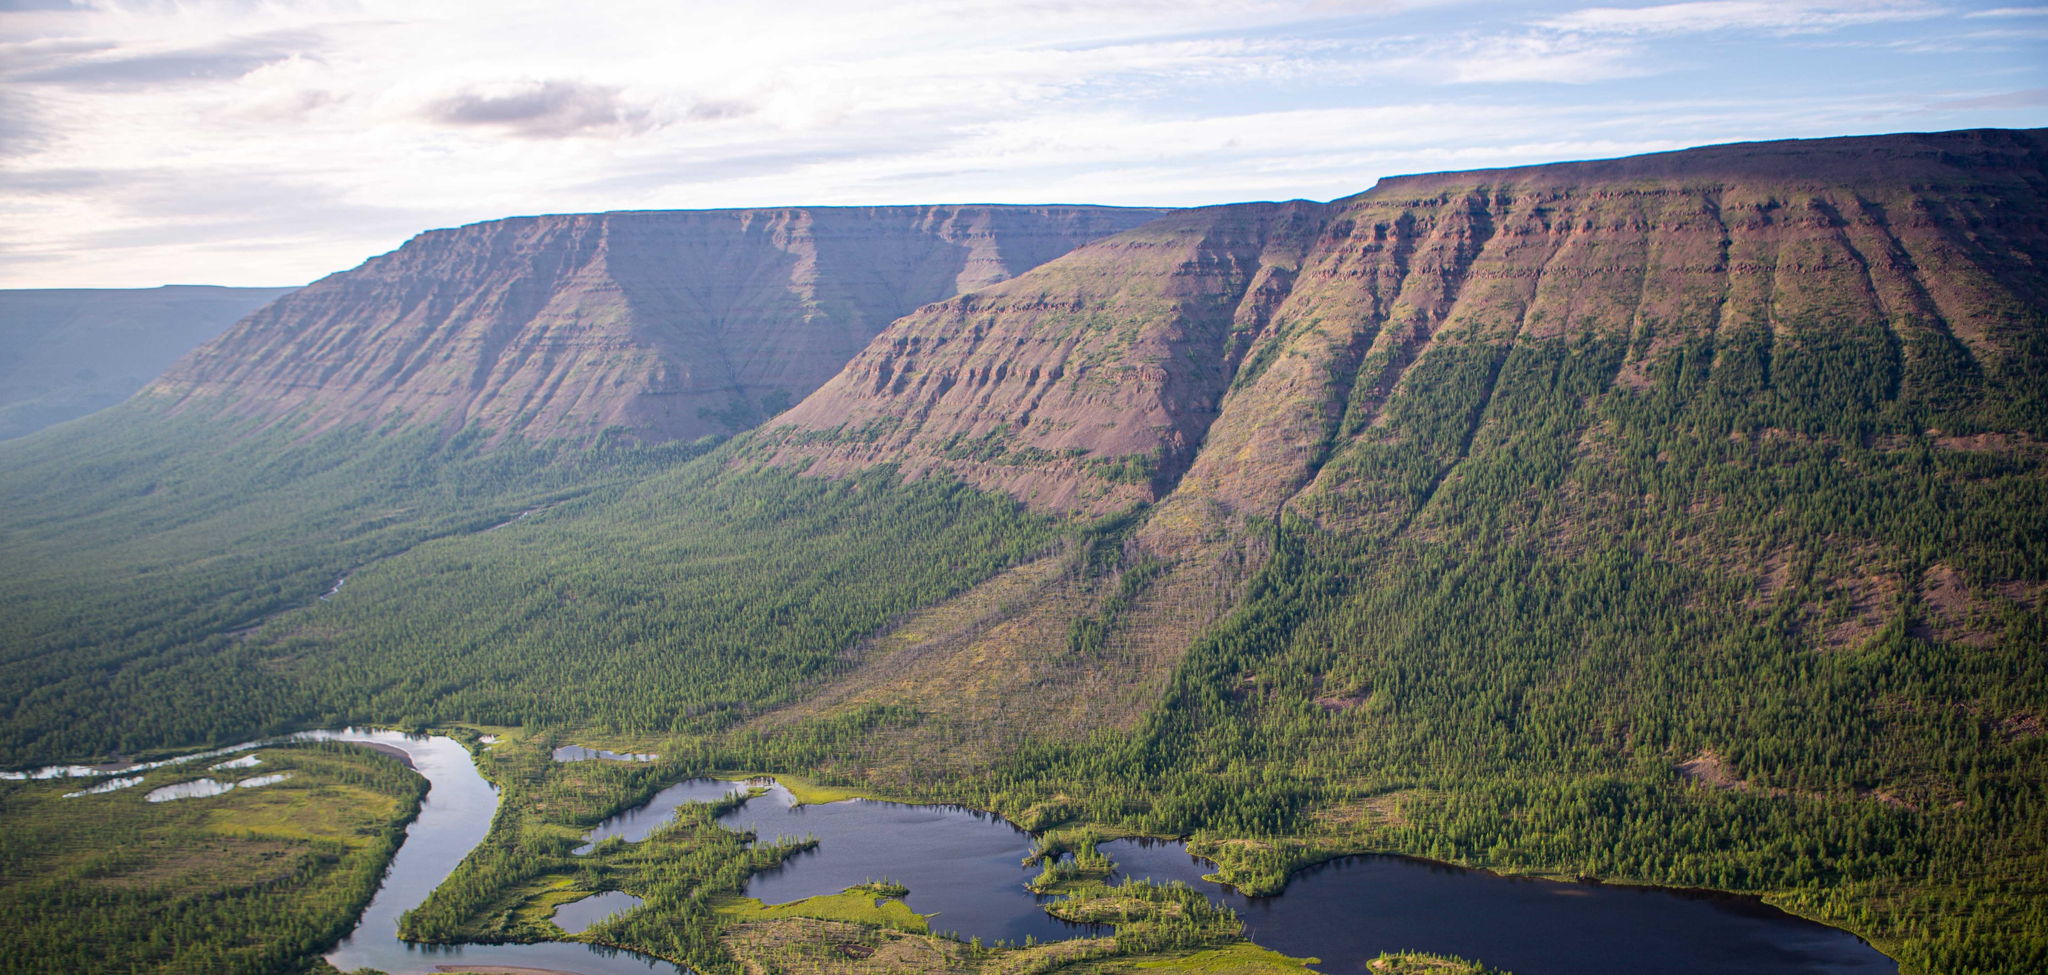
<point x="669" y="325"/>
<point x="1483" y="240"/>
<point x="1451" y="336"/>
<point x="1679" y="530"/>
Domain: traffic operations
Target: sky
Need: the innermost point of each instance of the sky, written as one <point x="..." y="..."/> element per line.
<point x="270" y="143"/>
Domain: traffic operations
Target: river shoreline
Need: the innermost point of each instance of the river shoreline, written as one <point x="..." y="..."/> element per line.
<point x="446" y="761"/>
<point x="392" y="750"/>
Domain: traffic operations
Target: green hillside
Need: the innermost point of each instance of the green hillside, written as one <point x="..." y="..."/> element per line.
<point x="1678" y="520"/>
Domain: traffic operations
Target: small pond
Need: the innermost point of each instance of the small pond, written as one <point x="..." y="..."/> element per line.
<point x="575" y="916"/>
<point x="636" y="823"/>
<point x="110" y="785"/>
<point x="578" y="753"/>
<point x="202" y="788"/>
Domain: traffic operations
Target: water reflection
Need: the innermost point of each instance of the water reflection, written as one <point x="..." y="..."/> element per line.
<point x="203" y="788"/>
<point x="575" y="916"/>
<point x="108" y="786"/>
<point x="1350" y="910"/>
<point x="578" y="753"/>
<point x="638" y="823"/>
<point x="962" y="865"/>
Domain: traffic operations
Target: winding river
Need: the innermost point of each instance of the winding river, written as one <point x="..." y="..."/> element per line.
<point x="453" y="819"/>
<point x="965" y="869"/>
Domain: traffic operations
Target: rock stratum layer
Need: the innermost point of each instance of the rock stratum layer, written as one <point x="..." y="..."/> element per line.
<point x="665" y="324"/>
<point x="1234" y="353"/>
<point x="1574" y="361"/>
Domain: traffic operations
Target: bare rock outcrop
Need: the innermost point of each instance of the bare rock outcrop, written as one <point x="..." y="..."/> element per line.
<point x="1237" y="359"/>
<point x="664" y="324"/>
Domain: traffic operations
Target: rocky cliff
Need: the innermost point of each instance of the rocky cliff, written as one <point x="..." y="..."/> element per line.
<point x="1233" y="352"/>
<point x="1810" y="378"/>
<point x="668" y="324"/>
<point x="1088" y="384"/>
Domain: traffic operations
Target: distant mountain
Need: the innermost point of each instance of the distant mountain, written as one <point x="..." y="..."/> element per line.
<point x="1258" y="350"/>
<point x="665" y="325"/>
<point x="1674" y="519"/>
<point x="67" y="352"/>
<point x="1624" y="447"/>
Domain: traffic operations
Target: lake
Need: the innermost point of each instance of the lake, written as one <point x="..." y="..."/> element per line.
<point x="965" y="867"/>
<point x="453" y="818"/>
<point x="1350" y="910"/>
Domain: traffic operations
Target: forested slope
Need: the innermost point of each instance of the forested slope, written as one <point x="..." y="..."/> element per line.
<point x="1782" y="362"/>
<point x="1678" y="518"/>
<point x="1675" y="519"/>
<point x="474" y="374"/>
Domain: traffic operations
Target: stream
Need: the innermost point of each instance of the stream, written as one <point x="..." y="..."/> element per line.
<point x="453" y="818"/>
<point x="964" y="868"/>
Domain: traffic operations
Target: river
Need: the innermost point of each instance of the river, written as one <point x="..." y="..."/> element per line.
<point x="453" y="818"/>
<point x="964" y="868"/>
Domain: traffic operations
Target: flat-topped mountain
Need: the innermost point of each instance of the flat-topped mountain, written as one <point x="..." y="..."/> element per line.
<point x="1612" y="358"/>
<point x="668" y="324"/>
<point x="1247" y="347"/>
<point x="65" y="352"/>
<point x="1673" y="519"/>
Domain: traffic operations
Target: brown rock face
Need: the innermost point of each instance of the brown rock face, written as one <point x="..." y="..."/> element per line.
<point x="1446" y="362"/>
<point x="668" y="324"/>
<point x="1088" y="384"/>
<point x="1232" y="353"/>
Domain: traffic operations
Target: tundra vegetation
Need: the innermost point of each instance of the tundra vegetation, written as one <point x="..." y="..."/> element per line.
<point x="1681" y="529"/>
<point x="250" y="881"/>
<point x="1616" y="704"/>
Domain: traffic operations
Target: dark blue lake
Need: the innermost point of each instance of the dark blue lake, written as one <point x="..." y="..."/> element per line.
<point x="966" y="867"/>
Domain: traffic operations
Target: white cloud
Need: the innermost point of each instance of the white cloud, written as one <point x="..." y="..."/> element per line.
<point x="261" y="143"/>
<point x="1752" y="15"/>
<point x="1566" y="60"/>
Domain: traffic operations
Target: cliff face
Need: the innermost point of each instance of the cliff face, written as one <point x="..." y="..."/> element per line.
<point x="670" y="324"/>
<point x="1233" y="353"/>
<point x="1085" y="385"/>
<point x="1809" y="378"/>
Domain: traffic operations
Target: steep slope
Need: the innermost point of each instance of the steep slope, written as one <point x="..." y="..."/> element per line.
<point x="1087" y="385"/>
<point x="1092" y="382"/>
<point x="1676" y="518"/>
<point x="1344" y="362"/>
<point x="67" y="352"/>
<point x="667" y="324"/>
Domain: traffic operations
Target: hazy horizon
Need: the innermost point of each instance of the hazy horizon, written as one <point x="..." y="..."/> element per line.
<point x="244" y="144"/>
